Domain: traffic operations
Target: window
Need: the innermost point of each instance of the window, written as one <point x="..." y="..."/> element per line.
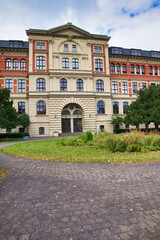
<point x="125" y="105"/>
<point x="97" y="49"/>
<point x="23" y="64"/>
<point x="150" y="70"/>
<point x="63" y="84"/>
<point x="99" y="86"/>
<point x="132" y="69"/>
<point x="75" y="63"/>
<point x="114" y="87"/>
<point x="123" y="68"/>
<point x="115" y="108"/>
<point x="98" y="65"/>
<point x="124" y="87"/>
<point x="100" y="107"/>
<point x="143" y="86"/>
<point x="102" y="128"/>
<point x="41" y="131"/>
<point x="153" y="84"/>
<point x="15" y="64"/>
<point x="116" y="50"/>
<point x="137" y="69"/>
<point x="155" y="54"/>
<point x="41" y="107"/>
<point x="77" y="112"/>
<point x="15" y="44"/>
<point x="155" y="71"/>
<point x="21" y="85"/>
<point x="112" y="68"/>
<point x="40" y="45"/>
<point x="65" y="112"/>
<point x="118" y="70"/>
<point x="65" y="47"/>
<point x="8" y="64"/>
<point x="8" y="84"/>
<point x="74" y="48"/>
<point x="40" y="62"/>
<point x="41" y="85"/>
<point x="136" y="52"/>
<point x="79" y="85"/>
<point x="21" y="107"/>
<point x="134" y="87"/>
<point x="142" y="69"/>
<point x="65" y="63"/>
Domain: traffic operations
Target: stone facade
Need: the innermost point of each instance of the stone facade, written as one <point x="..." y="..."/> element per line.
<point x="67" y="79"/>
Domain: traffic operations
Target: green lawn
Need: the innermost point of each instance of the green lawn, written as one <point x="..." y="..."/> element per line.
<point x="49" y="150"/>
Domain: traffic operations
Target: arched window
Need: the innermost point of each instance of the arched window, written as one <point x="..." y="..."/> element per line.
<point x="132" y="68"/>
<point x="41" y="107"/>
<point x="79" y="85"/>
<point x="150" y="70"/>
<point x="137" y="69"/>
<point x="8" y="64"/>
<point x="65" y="112"/>
<point x="123" y="68"/>
<point x="41" y="85"/>
<point x="98" y="65"/>
<point x="41" y="131"/>
<point x="115" y="108"/>
<point x="142" y="69"/>
<point x="21" y="107"/>
<point x="40" y="62"/>
<point x="125" y="105"/>
<point x="100" y="107"/>
<point x="65" y="63"/>
<point x="75" y="63"/>
<point x="63" y="84"/>
<point x="15" y="64"/>
<point x="112" y="68"/>
<point x="118" y="69"/>
<point x="23" y="64"/>
<point x="155" y="71"/>
<point x="99" y="86"/>
<point x="77" y="112"/>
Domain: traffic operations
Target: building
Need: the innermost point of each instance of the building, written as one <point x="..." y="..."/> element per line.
<point x="69" y="80"/>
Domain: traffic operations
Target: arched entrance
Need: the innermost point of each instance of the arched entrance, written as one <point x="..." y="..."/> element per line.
<point x="72" y="117"/>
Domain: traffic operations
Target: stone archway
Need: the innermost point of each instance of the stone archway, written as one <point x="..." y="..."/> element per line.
<point x="72" y="118"/>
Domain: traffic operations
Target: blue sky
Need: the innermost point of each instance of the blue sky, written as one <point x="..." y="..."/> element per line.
<point x="130" y="23"/>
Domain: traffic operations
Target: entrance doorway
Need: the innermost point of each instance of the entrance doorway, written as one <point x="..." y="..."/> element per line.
<point x="72" y="119"/>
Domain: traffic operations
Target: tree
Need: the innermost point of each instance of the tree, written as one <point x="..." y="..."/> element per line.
<point x="24" y="120"/>
<point x="146" y="108"/>
<point x="8" y="114"/>
<point x="116" y="122"/>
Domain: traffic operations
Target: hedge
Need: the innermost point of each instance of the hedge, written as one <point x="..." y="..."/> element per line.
<point x="13" y="135"/>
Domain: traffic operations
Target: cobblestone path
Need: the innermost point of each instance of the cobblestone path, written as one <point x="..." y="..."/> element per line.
<point x="42" y="200"/>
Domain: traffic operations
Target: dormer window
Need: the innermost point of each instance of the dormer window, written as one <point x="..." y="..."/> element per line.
<point x="155" y="54"/>
<point x="136" y="52"/>
<point x="97" y="49"/>
<point x="74" y="48"/>
<point x="116" y="50"/>
<point x="65" y="47"/>
<point x="15" y="44"/>
<point x="40" y="45"/>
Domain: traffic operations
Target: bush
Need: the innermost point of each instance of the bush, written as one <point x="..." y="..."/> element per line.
<point x="115" y="145"/>
<point x="13" y="135"/>
<point x="133" y="148"/>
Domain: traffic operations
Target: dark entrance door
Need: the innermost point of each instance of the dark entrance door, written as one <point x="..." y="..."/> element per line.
<point x="66" y="125"/>
<point x="77" y="124"/>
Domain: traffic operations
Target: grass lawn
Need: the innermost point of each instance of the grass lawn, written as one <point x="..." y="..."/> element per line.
<point x="8" y="140"/>
<point x="49" y="150"/>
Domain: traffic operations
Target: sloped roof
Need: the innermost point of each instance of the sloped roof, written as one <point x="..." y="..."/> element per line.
<point x="6" y="44"/>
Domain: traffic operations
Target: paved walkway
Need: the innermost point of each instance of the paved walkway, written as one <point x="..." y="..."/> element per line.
<point x="50" y="201"/>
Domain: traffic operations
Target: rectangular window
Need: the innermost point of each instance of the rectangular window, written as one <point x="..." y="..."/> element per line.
<point x="124" y="87"/>
<point x="21" y="107"/>
<point x="155" y="54"/>
<point x="75" y="64"/>
<point x="40" y="62"/>
<point x="15" y="44"/>
<point x="8" y="84"/>
<point x="98" y="65"/>
<point x="65" y="47"/>
<point x="74" y="48"/>
<point x="143" y="86"/>
<point x="21" y="85"/>
<point x="153" y="84"/>
<point x="125" y="105"/>
<point x="40" y="45"/>
<point x="136" y="52"/>
<point x="65" y="63"/>
<point x="97" y="49"/>
<point x="114" y="87"/>
<point x="116" y="50"/>
<point x="134" y="87"/>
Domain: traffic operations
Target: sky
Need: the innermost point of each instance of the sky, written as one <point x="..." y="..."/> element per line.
<point x="129" y="23"/>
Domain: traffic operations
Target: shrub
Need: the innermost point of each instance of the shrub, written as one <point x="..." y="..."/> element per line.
<point x="13" y="135"/>
<point x="115" y="145"/>
<point x="133" y="148"/>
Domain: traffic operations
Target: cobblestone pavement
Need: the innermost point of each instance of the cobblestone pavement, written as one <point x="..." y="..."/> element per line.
<point x="50" y="201"/>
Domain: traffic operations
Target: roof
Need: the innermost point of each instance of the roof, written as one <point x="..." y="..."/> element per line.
<point x="133" y="52"/>
<point x="13" y="44"/>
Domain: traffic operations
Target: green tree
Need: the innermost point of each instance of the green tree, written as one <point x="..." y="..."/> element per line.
<point x="116" y="122"/>
<point x="8" y="114"/>
<point x="24" y="120"/>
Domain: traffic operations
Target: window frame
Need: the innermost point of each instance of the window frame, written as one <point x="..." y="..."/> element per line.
<point x="42" y="45"/>
<point x="100" y="107"/>
<point x="137" y="69"/>
<point x="23" y="64"/>
<point x="41" y="107"/>
<point x="114" y="87"/>
<point x="143" y="85"/>
<point x="40" y="63"/>
<point x="118" y="68"/>
<point x="66" y="47"/>
<point x="79" y="83"/>
<point x="74" y="47"/>
<point x="115" y="108"/>
<point x="63" y="85"/>
<point x="9" y="84"/>
<point x="15" y="64"/>
<point x="41" y="131"/>
<point x="99" y="85"/>
<point x="41" y="85"/>
<point x="98" y="65"/>
<point x="21" y="85"/>
<point x="132" y="69"/>
<point x="124" y="87"/>
<point x="124" y="70"/>
<point x="75" y="63"/>
<point x="8" y="64"/>
<point x="134" y="87"/>
<point x="125" y="105"/>
<point x="112" y="68"/>
<point x="21" y="107"/>
<point x="98" y="49"/>
<point x="65" y="63"/>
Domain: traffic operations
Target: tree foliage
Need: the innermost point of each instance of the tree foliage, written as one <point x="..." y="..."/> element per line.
<point x="8" y="114"/>
<point x="24" y="120"/>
